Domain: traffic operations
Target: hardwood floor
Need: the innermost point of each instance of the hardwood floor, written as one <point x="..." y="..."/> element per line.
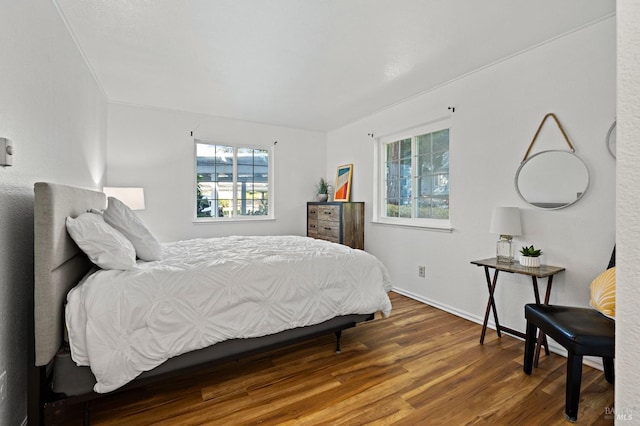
<point x="420" y="366"/>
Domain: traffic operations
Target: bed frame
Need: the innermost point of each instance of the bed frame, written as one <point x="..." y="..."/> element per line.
<point x="55" y="382"/>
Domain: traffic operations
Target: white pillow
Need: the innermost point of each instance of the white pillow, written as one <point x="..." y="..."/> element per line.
<point x="121" y="217"/>
<point x="105" y="246"/>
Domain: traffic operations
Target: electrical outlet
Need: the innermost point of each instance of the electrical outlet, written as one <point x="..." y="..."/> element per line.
<point x="3" y="386"/>
<point x="421" y="271"/>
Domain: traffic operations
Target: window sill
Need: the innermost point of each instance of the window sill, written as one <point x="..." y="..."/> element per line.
<point x="444" y="227"/>
<point x="220" y="220"/>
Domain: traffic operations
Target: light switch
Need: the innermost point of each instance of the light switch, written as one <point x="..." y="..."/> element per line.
<point x="6" y="152"/>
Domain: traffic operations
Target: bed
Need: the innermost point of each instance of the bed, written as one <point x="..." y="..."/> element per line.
<point x="73" y="297"/>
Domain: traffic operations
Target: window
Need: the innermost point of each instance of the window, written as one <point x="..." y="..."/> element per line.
<point x="232" y="181"/>
<point x="413" y="179"/>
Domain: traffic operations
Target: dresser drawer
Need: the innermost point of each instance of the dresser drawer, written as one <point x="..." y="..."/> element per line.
<point x="329" y="213"/>
<point x="312" y="227"/>
<point x="332" y="239"/>
<point x="329" y="229"/>
<point x="312" y="211"/>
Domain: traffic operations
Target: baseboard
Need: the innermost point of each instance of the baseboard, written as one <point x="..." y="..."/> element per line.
<point x="593" y="362"/>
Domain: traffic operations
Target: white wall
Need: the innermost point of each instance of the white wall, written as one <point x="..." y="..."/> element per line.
<point x="628" y="229"/>
<point x="497" y="111"/>
<point x="52" y="110"/>
<point x="154" y="149"/>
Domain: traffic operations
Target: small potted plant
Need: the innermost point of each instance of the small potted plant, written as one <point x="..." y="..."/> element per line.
<point x="530" y="256"/>
<point x="322" y="190"/>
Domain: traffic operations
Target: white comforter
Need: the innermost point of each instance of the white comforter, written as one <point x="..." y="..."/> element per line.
<point x="204" y="291"/>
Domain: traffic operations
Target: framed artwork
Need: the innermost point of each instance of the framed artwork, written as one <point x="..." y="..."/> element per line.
<point x="343" y="183"/>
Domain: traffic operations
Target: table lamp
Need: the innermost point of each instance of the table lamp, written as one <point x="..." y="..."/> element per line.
<point x="505" y="221"/>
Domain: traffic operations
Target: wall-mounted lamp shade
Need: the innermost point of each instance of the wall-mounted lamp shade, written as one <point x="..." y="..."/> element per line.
<point x="132" y="197"/>
<point x="6" y="152"/>
<point x="506" y="221"/>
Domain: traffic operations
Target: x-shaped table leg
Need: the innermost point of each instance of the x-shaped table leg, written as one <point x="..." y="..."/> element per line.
<point x="491" y="304"/>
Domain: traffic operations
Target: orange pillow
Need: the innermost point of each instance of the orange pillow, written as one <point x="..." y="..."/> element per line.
<point x="603" y="293"/>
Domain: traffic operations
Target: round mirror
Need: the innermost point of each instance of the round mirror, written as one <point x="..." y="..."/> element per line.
<point x="611" y="140"/>
<point x="552" y="179"/>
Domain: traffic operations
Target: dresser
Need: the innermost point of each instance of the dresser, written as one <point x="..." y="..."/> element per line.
<point x="337" y="222"/>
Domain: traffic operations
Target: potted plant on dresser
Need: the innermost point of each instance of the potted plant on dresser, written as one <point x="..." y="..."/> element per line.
<point x="322" y="190"/>
<point x="530" y="256"/>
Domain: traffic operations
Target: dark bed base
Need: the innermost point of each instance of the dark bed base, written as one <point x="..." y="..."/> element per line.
<point x="46" y="407"/>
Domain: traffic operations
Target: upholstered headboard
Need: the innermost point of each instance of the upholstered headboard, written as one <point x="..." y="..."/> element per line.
<point x="58" y="262"/>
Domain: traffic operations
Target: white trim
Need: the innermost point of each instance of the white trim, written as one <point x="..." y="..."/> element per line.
<point x="427" y="226"/>
<point x="237" y="219"/>
<point x="83" y="55"/>
<point x="430" y="126"/>
<point x="593" y="362"/>
<point x="477" y="70"/>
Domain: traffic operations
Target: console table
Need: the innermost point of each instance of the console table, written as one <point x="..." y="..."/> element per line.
<point x="515" y="268"/>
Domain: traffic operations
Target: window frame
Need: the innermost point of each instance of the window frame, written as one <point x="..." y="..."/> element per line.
<point x="234" y="217"/>
<point x="379" y="202"/>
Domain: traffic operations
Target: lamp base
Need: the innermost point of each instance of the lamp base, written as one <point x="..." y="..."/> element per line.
<point x="504" y="249"/>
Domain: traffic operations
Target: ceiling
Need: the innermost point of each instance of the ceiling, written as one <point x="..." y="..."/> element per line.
<point x="311" y="64"/>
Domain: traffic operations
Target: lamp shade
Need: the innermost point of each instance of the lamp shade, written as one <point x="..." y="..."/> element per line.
<point x="506" y="221"/>
<point x="131" y="197"/>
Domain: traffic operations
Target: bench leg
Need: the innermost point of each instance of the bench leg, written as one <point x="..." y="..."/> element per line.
<point x="607" y="363"/>
<point x="529" y="347"/>
<point x="574" y="379"/>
